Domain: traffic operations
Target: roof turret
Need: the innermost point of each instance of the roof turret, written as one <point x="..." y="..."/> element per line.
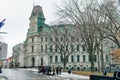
<point x="37" y="12"/>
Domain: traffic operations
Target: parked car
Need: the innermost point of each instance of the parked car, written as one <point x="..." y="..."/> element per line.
<point x="41" y="69"/>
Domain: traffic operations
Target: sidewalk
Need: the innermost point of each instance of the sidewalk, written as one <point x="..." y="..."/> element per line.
<point x="3" y="77"/>
<point x="74" y="76"/>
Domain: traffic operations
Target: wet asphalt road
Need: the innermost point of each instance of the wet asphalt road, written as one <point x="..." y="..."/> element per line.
<point x="19" y="74"/>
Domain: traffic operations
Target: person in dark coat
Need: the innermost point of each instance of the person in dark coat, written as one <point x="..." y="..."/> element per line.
<point x="53" y="70"/>
<point x="57" y="71"/>
<point x="69" y="70"/>
<point x="105" y="72"/>
<point x="0" y="69"/>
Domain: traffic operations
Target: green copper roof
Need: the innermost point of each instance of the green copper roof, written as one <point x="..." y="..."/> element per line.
<point x="37" y="12"/>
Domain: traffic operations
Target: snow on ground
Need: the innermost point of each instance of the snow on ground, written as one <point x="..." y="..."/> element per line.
<point x="65" y="74"/>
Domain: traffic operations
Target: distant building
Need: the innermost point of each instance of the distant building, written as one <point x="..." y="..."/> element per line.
<point x="3" y="52"/>
<point x="17" y="56"/>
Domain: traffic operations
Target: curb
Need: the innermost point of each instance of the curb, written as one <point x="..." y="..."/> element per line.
<point x="3" y="78"/>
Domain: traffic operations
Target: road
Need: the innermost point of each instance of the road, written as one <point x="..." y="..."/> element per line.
<point x="19" y="74"/>
<point x="31" y="74"/>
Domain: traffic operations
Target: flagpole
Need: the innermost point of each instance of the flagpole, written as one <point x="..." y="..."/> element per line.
<point x="33" y="3"/>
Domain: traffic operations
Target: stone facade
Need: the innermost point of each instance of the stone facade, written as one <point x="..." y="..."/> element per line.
<point x="37" y="49"/>
<point x="18" y="56"/>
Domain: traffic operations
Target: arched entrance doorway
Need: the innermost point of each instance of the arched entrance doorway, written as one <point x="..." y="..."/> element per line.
<point x="33" y="61"/>
<point x="41" y="61"/>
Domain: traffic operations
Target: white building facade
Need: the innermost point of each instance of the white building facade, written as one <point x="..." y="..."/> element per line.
<point x="3" y="50"/>
<point x="3" y="53"/>
<point x="18" y="56"/>
<point x="38" y="51"/>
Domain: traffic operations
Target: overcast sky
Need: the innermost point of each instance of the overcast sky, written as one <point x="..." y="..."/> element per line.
<point x="17" y="13"/>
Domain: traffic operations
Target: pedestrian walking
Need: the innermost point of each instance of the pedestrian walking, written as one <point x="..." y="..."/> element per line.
<point x="38" y="69"/>
<point x="105" y="72"/>
<point x="53" y="70"/>
<point x="43" y="70"/>
<point x="69" y="70"/>
<point x="49" y="70"/>
<point x="57" y="70"/>
<point x="0" y="69"/>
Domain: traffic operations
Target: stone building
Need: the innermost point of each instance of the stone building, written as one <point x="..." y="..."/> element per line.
<point x="38" y="50"/>
<point x="3" y="53"/>
<point x="3" y="50"/>
<point x="17" y="56"/>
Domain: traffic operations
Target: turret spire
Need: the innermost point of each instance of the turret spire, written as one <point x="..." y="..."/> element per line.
<point x="35" y="2"/>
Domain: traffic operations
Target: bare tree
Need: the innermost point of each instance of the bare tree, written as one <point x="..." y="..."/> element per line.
<point x="64" y="41"/>
<point x="111" y="19"/>
<point x="86" y="15"/>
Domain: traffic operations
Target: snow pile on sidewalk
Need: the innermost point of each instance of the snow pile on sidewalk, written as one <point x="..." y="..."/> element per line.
<point x="74" y="76"/>
<point x="2" y="77"/>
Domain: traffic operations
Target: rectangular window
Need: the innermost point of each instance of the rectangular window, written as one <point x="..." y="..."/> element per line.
<point x="51" y="48"/>
<point x="56" y="58"/>
<point x="107" y="58"/>
<point x="46" y="39"/>
<point x="72" y="58"/>
<point x="32" y="48"/>
<point x="45" y="48"/>
<point x="51" y="59"/>
<point x="51" y="39"/>
<point x="41" y="48"/>
<point x="83" y="47"/>
<point x="66" y="47"/>
<point x="32" y="39"/>
<point x="66" y="58"/>
<point x="78" y="58"/>
<point x="41" y="39"/>
<point x="84" y="60"/>
<point x="56" y="48"/>
<point x="77" y="47"/>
